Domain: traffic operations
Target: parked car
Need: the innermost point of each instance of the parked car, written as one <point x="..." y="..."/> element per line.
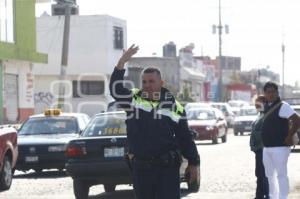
<point x="196" y="105"/>
<point x="238" y="103"/>
<point x="208" y="124"/>
<point x="8" y="156"/>
<point x="235" y="110"/>
<point x="226" y="109"/>
<point x="297" y="109"/>
<point x="98" y="156"/>
<point x="43" y="139"/>
<point x="243" y="121"/>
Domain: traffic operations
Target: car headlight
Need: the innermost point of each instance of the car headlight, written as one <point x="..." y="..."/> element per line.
<point x="209" y="128"/>
<point x="58" y="148"/>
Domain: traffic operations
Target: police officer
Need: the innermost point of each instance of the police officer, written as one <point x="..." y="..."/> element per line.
<point x="157" y="133"/>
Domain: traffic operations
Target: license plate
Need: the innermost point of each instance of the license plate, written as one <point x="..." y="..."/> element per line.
<point x="248" y="128"/>
<point x="111" y="152"/>
<point x="31" y="159"/>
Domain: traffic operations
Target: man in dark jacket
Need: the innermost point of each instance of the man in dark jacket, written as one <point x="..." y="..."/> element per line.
<point x="279" y="126"/>
<point x="157" y="133"/>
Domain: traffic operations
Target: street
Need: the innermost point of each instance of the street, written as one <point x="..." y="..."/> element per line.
<point x="227" y="171"/>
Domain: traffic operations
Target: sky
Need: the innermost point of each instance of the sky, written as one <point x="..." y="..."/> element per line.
<point x="257" y="28"/>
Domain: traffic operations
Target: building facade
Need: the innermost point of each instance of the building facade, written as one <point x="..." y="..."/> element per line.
<point x="17" y="53"/>
<point x="96" y="43"/>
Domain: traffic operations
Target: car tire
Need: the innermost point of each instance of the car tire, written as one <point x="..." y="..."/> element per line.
<point x="194" y="186"/>
<point x="108" y="188"/>
<point x="235" y="132"/>
<point x="6" y="174"/>
<point x="215" y="140"/>
<point x="80" y="188"/>
<point x="224" y="138"/>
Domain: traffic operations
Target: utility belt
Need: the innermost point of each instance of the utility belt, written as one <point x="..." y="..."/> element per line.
<point x="170" y="159"/>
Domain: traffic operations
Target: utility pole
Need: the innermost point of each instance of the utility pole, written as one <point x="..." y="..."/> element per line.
<point x="220" y="56"/>
<point x="65" y="52"/>
<point x="220" y="61"/>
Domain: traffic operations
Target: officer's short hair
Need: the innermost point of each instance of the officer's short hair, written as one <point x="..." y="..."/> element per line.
<point x="270" y="84"/>
<point x="152" y="70"/>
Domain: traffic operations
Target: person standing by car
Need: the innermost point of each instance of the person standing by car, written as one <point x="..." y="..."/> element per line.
<point x="280" y="124"/>
<point x="157" y="133"/>
<point x="262" y="189"/>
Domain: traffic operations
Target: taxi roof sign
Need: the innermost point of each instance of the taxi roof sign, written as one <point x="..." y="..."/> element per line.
<point x="52" y="112"/>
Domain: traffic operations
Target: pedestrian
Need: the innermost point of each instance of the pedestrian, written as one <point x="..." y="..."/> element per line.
<point x="262" y="187"/>
<point x="157" y="133"/>
<point x="280" y="124"/>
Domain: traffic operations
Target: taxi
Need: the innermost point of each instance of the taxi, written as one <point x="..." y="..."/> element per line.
<point x="42" y="139"/>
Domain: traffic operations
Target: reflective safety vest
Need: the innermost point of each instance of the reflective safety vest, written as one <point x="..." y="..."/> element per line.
<point x="174" y="113"/>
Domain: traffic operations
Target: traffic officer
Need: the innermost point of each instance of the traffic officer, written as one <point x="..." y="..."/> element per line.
<point x="157" y="133"/>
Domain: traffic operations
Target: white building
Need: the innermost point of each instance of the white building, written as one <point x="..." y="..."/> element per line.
<point x="191" y="75"/>
<point x="96" y="42"/>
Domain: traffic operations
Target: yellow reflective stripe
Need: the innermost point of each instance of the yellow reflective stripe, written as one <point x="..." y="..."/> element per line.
<point x="166" y="112"/>
<point x="141" y="104"/>
<point x="179" y="107"/>
<point x="154" y="104"/>
<point x="134" y="90"/>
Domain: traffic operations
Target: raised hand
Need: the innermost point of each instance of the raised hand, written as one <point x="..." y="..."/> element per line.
<point x="127" y="54"/>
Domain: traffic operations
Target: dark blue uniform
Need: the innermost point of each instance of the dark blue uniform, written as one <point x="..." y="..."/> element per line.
<point x="156" y="131"/>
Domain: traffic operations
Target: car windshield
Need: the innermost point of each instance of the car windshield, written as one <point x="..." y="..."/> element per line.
<point x="49" y="125"/>
<point x="200" y="114"/>
<point x="196" y="105"/>
<point x="106" y="125"/>
<point x="220" y="107"/>
<point x="247" y="112"/>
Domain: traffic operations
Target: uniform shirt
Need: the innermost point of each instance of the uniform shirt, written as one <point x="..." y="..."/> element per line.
<point x="153" y="127"/>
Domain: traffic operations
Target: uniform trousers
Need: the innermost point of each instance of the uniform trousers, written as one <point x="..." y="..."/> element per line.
<point x="155" y="181"/>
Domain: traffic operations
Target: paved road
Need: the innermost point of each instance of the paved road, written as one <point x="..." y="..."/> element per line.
<point x="227" y="172"/>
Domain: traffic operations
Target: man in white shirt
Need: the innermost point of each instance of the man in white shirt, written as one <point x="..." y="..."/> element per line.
<point x="280" y="124"/>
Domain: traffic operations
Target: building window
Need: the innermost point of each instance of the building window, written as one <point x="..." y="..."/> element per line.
<point x="82" y="88"/>
<point x="118" y="38"/>
<point x="7" y="21"/>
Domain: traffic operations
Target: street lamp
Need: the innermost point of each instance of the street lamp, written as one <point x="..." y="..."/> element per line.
<point x="220" y="62"/>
